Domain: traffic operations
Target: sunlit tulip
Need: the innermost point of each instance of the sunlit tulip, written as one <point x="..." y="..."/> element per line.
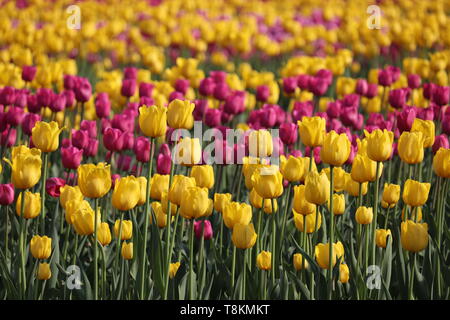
<point x="410" y="147"/>
<point x="83" y="220"/>
<point x="236" y="213"/>
<point x="94" y="180"/>
<point x="203" y="175"/>
<point x="414" y="236"/>
<point x="322" y="254"/>
<point x="194" y="202"/>
<point x="338" y="204"/>
<point x="293" y="169"/>
<point x="44" y="272"/>
<point x="317" y="188"/>
<point x="153" y="121"/>
<point x="364" y="215"/>
<point x="127" y="250"/>
<point x="127" y="229"/>
<point x="344" y="273"/>
<point x="391" y="193"/>
<point x="260" y="143"/>
<point x="46" y="136"/>
<point x="221" y="200"/>
<point x="264" y="260"/>
<point x="68" y="193"/>
<point x="339" y="176"/>
<point x="143" y="190"/>
<point x="126" y="194"/>
<point x="379" y="144"/>
<point x="32" y="206"/>
<point x="310" y="222"/>
<point x="188" y="152"/>
<point x="173" y="268"/>
<point x="300" y="204"/>
<point x="335" y="149"/>
<point x="160" y="215"/>
<point x="381" y="237"/>
<point x="244" y="236"/>
<point x="179" y="114"/>
<point x="312" y="131"/>
<point x="427" y="128"/>
<point x="441" y="163"/>
<point x="298" y="262"/>
<point x="415" y="193"/>
<point x="158" y="185"/>
<point x="41" y="247"/>
<point x="268" y="182"/>
<point x="352" y="187"/>
<point x="179" y="185"/>
<point x="364" y="169"/>
<point x="26" y="167"/>
<point x="104" y="234"/>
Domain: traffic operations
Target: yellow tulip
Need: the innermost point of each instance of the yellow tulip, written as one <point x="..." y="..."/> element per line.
<point x="153" y="121"/>
<point x="127" y="229"/>
<point x="32" y="205"/>
<point x="338" y="204"/>
<point x="221" y="200"/>
<point x="179" y="114"/>
<point x="159" y="184"/>
<point x="391" y="193"/>
<point x="45" y="135"/>
<point x="352" y="187"/>
<point x="312" y="131"/>
<point x="364" y="215"/>
<point x="126" y="194"/>
<point x="264" y="260"/>
<point x="179" y="185"/>
<point x="310" y="222"/>
<point x="379" y="144"/>
<point x="339" y="177"/>
<point x="41" y="247"/>
<point x="44" y="272"/>
<point x="94" y="180"/>
<point x="410" y="147"/>
<point x="335" y="149"/>
<point x="26" y="167"/>
<point x="69" y="193"/>
<point x="268" y="182"/>
<point x="427" y="128"/>
<point x="173" y="268"/>
<point x="257" y="202"/>
<point x="344" y="273"/>
<point x="188" y="152"/>
<point x="293" y="169"/>
<point x="322" y="254"/>
<point x="364" y="169"/>
<point x="161" y="216"/>
<point x="127" y="250"/>
<point x="300" y="204"/>
<point x="165" y="204"/>
<point x="317" y="188"/>
<point x="236" y="213"/>
<point x="415" y="193"/>
<point x="414" y="236"/>
<point x="381" y="237"/>
<point x="298" y="262"/>
<point x="441" y="163"/>
<point x="194" y="202"/>
<point x="142" y="190"/>
<point x="244" y="236"/>
<point x="83" y="220"/>
<point x="203" y="175"/>
<point x="260" y="143"/>
<point x="104" y="234"/>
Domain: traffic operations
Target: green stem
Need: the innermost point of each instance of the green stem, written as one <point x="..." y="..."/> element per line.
<point x="244" y="275"/>
<point x="366" y="252"/>
<point x="411" y="279"/>
<point x="274" y="266"/>
<point x="22" y="278"/>
<point x="191" y="262"/>
<point x="44" y="181"/>
<point x="95" y="252"/>
<point x="375" y="214"/>
<point x="387" y="217"/>
<point x="233" y="270"/>
<point x="330" y="265"/>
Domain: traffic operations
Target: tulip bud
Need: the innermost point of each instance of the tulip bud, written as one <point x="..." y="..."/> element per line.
<point x="41" y="247"/>
<point x="71" y="157"/>
<point x="427" y="128"/>
<point x="204" y="228"/>
<point x="102" y="105"/>
<point x="264" y="260"/>
<point x="381" y="237"/>
<point x="126" y="193"/>
<point x="415" y="193"/>
<point x="364" y="215"/>
<point x="28" y="73"/>
<point x="322" y="254"/>
<point x="104" y="234"/>
<point x="288" y="133"/>
<point x="299" y="261"/>
<point x="127" y="229"/>
<point x="391" y="193"/>
<point x="128" y="88"/>
<point x="317" y="188"/>
<point x="194" y="202"/>
<point x="179" y="114"/>
<point x="311" y="225"/>
<point x="414" y="236"/>
<point x="173" y="268"/>
<point x="53" y="185"/>
<point x="344" y="273"/>
<point x="441" y="163"/>
<point x="44" y="271"/>
<point x="32" y="206"/>
<point x="244" y="236"/>
<point x="338" y="204"/>
<point x="127" y="250"/>
<point x="410" y="147"/>
<point x="6" y="194"/>
<point x="203" y="175"/>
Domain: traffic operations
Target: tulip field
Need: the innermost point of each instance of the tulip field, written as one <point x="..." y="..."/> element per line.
<point x="224" y="150"/>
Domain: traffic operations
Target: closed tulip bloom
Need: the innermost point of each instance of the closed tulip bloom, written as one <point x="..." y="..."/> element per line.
<point x="322" y="254"/>
<point x="364" y="215"/>
<point x="379" y="144"/>
<point x="300" y="204"/>
<point x="179" y="185"/>
<point x="83" y="219"/>
<point x="160" y="214"/>
<point x="364" y="169"/>
<point x="142" y="190"/>
<point x="127" y="250"/>
<point x="244" y="236"/>
<point x="415" y="193"/>
<point x="25" y="166"/>
<point x="298" y="262"/>
<point x="236" y="213"/>
<point x="68" y="193"/>
<point x="203" y="175"/>
<point x="317" y="188"/>
<point x="293" y="169"/>
<point x="32" y="206"/>
<point x="339" y="176"/>
<point x="158" y="185"/>
<point x="221" y="200"/>
<point x="441" y="163"/>
<point x="6" y="194"/>
<point x="173" y="268"/>
<point x="257" y="202"/>
<point x="165" y="204"/>
<point x="299" y="221"/>
<point x="260" y="143"/>
<point x="264" y="260"/>
<point x="46" y="135"/>
<point x="153" y="121"/>
<point x="104" y="234"/>
<point x="391" y="193"/>
<point x="352" y="186"/>
<point x="410" y="147"/>
<point x="312" y="131"/>
<point x="44" y="272"/>
<point x="71" y="207"/>
<point x="41" y="247"/>
<point x="94" y="180"/>
<point x="335" y="149"/>
<point x="414" y="236"/>
<point x="53" y="186"/>
<point x="338" y="204"/>
<point x="268" y="182"/>
<point x="71" y="157"/>
<point x="381" y="237"/>
<point x="194" y="202"/>
<point x="203" y="227"/>
<point x="427" y="128"/>
<point x="179" y="114"/>
<point x="344" y="273"/>
<point x="127" y="229"/>
<point x="188" y="152"/>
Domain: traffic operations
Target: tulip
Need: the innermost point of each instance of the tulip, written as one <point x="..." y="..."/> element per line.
<point x="311" y="224"/>
<point x="160" y="214"/>
<point x="104" y="234"/>
<point x="83" y="91"/>
<point x="153" y="121"/>
<point x="257" y="202"/>
<point x="244" y="236"/>
<point x="83" y="219"/>
<point x="317" y="188"/>
<point x="288" y="133"/>
<point x="299" y="261"/>
<point x="188" y="151"/>
<point x="173" y="268"/>
<point x="312" y="131"/>
<point x="441" y="141"/>
<point x="142" y="190"/>
<point x="260" y="143"/>
<point x="415" y="193"/>
<point x="293" y="169"/>
<point x="32" y="206"/>
<point x="338" y="204"/>
<point x="44" y="272"/>
<point x="71" y="157"/>
<point x="441" y="95"/>
<point x="300" y="204"/>
<point x="164" y="160"/>
<point x="414" y="236"/>
<point x="336" y="149"/>
<point x="126" y="194"/>
<point x="213" y="117"/>
<point x="322" y="254"/>
<point x="68" y="193"/>
<point x="364" y="215"/>
<point x="441" y="163"/>
<point x="352" y="186"/>
<point x="102" y="105"/>
<point x="179" y="114"/>
<point x="94" y="180"/>
<point x="344" y="273"/>
<point x="158" y="185"/>
<point x="379" y="144"/>
<point x="80" y="139"/>
<point x="268" y="182"/>
<point x="264" y="260"/>
<point x="41" y="247"/>
<point x="339" y="178"/>
<point x="427" y="128"/>
<point x="29" y="122"/>
<point x="28" y="73"/>
<point x="179" y="185"/>
<point x="127" y="229"/>
<point x="26" y="167"/>
<point x="391" y="193"/>
<point x="236" y="213"/>
<point x="416" y="214"/>
<point x="71" y="208"/>
<point x="381" y="237"/>
<point x="6" y="194"/>
<point x="127" y="250"/>
<point x="113" y="139"/>
<point x="53" y="185"/>
<point x="364" y="169"/>
<point x="221" y="200"/>
<point x="128" y="88"/>
<point x="194" y="202"/>
<point x="203" y="228"/>
<point x="203" y="175"/>
<point x="410" y="147"/>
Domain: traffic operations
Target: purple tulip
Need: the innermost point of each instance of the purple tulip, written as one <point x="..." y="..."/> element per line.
<point x="441" y="95"/>
<point x="128" y="88"/>
<point x="334" y="109"/>
<point x="203" y="227"/>
<point x="414" y="81"/>
<point x="29" y="120"/>
<point x="182" y="85"/>
<point x="130" y="73"/>
<point x="441" y="141"/>
<point x="113" y="139"/>
<point x="28" y="73"/>
<point x="398" y="97"/>
<point x="288" y="133"/>
<point x="289" y="85"/>
<point x="80" y="139"/>
<point x="83" y="90"/>
<point x="262" y="93"/>
<point x="142" y="149"/>
<point x="146" y="89"/>
<point x="102" y="105"/>
<point x="207" y="86"/>
<point x="6" y="194"/>
<point x="405" y="119"/>
<point x="362" y="87"/>
<point x="213" y="117"/>
<point x="302" y="109"/>
<point x="53" y="186"/>
<point x="71" y="157"/>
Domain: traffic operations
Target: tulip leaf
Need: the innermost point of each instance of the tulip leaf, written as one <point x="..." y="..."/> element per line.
<point x="6" y="276"/>
<point x="311" y="262"/>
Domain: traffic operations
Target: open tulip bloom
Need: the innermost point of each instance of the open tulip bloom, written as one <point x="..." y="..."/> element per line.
<point x="244" y="152"/>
